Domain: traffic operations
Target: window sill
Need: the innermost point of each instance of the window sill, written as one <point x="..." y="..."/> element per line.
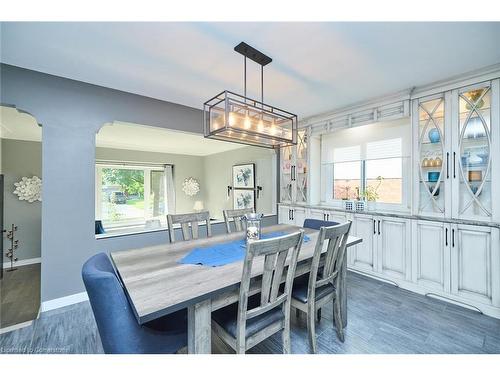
<point x="114" y="233"/>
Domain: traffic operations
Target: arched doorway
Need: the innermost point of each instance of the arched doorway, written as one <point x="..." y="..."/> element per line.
<point x="20" y="185"/>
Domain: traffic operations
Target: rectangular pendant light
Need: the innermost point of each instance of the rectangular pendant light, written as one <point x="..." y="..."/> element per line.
<point x="237" y="118"/>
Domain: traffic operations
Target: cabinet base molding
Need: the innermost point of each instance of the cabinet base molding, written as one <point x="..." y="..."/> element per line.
<point x="454" y="301"/>
<point x="482" y="308"/>
<point x="388" y="281"/>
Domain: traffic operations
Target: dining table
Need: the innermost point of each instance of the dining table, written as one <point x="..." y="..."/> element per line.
<point x="157" y="283"/>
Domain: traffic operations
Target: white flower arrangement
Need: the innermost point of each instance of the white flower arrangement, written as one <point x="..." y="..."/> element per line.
<point x="190" y="186"/>
<point x="29" y="189"/>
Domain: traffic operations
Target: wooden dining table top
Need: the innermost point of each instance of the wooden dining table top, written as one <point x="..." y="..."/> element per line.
<point x="157" y="284"/>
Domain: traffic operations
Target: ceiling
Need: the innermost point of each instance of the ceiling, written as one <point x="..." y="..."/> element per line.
<point x="316" y="67"/>
<point x="121" y="135"/>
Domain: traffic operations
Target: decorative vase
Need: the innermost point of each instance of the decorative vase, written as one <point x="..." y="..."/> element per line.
<point x="434" y="136"/>
<point x="253" y="223"/>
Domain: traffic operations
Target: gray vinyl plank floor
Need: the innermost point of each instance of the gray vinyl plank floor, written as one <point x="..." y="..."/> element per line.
<point x="383" y="319"/>
<point x="19" y="295"/>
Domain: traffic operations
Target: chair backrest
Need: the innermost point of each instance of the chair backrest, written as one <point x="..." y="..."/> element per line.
<point x="236" y="215"/>
<point x="275" y="252"/>
<point x="317" y="224"/>
<point x="99" y="229"/>
<point x="336" y="238"/>
<point x="187" y="220"/>
<point x="118" y="328"/>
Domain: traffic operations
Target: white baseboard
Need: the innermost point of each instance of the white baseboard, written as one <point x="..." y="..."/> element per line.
<point x="22" y="262"/>
<point x="16" y="326"/>
<point x="64" y="301"/>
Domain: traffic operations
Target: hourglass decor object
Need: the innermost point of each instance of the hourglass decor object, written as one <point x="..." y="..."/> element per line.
<point x="253" y="224"/>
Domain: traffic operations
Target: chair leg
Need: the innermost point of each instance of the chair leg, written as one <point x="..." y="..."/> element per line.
<point x="337" y="317"/>
<point x="319" y="315"/>
<point x="311" y="317"/>
<point x="285" y="336"/>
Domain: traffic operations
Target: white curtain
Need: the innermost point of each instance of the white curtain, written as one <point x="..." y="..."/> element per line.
<point x="170" y="189"/>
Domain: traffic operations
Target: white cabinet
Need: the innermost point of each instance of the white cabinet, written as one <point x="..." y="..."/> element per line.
<point x="294" y="171"/>
<point x="474" y="263"/>
<point x="393" y="247"/>
<point x="457" y="151"/>
<point x="385" y="248"/>
<point x="293" y="215"/>
<point x="364" y="255"/>
<point x="431" y="255"/>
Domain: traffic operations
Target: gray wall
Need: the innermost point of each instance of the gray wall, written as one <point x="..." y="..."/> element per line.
<point x="219" y="168"/>
<point x="22" y="159"/>
<point x="71" y="113"/>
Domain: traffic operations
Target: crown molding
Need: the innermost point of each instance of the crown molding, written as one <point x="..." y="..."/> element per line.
<point x="475" y="76"/>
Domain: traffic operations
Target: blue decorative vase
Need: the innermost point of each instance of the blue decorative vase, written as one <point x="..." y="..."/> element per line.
<point x="434" y="136"/>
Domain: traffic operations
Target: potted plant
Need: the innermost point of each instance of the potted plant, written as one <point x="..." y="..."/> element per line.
<point x="370" y="194"/>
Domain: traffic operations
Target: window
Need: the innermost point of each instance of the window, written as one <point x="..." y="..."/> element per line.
<point x="133" y="196"/>
<point x="371" y="161"/>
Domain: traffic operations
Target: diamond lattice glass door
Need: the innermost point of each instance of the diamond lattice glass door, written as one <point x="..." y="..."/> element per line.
<point x="286" y="174"/>
<point x="432" y="158"/>
<point x="301" y="167"/>
<point x="474" y="159"/>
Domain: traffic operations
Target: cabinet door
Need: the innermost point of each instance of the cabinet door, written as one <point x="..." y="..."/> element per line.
<point x="393" y="247"/>
<point x="473" y="153"/>
<point x="363" y="256"/>
<point x="301" y="168"/>
<point x="471" y="266"/>
<point x="284" y="215"/>
<point x="316" y="214"/>
<point x="336" y="216"/>
<point x="286" y="164"/>
<point x="431" y="255"/>
<point x="298" y="216"/>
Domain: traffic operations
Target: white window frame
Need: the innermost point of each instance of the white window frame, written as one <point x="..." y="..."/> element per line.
<point x="147" y="168"/>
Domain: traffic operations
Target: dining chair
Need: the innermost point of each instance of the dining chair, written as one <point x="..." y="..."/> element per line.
<point x="244" y="324"/>
<point x="236" y="215"/>
<point x="186" y="221"/>
<point x="317" y="224"/>
<point x="118" y="328"/>
<point x="99" y="228"/>
<point x="314" y="291"/>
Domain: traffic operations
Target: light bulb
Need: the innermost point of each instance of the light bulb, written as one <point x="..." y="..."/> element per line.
<point x="247" y="123"/>
<point x="231" y="119"/>
<point x="273" y="129"/>
<point x="260" y="126"/>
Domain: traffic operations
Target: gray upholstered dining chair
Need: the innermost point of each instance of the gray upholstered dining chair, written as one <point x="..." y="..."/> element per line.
<point x="236" y="215"/>
<point x="253" y="319"/>
<point x="186" y="221"/>
<point x="319" y="287"/>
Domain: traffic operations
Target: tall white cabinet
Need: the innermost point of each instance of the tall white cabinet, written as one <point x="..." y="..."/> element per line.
<point x="294" y="171"/>
<point x="457" y="153"/>
<point x="448" y="245"/>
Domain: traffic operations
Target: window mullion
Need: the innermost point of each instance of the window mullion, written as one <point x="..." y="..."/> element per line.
<point x="147" y="192"/>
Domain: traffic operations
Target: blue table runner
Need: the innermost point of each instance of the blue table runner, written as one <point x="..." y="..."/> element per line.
<point x="224" y="253"/>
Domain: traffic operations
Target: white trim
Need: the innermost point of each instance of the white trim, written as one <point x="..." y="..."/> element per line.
<point x="64" y="301"/>
<point x="16" y="326"/>
<point x="22" y="262"/>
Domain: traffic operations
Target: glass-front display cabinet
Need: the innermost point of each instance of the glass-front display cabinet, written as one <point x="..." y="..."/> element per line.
<point x="294" y="170"/>
<point x="456" y="148"/>
<point x="432" y="157"/>
<point x="473" y="153"/>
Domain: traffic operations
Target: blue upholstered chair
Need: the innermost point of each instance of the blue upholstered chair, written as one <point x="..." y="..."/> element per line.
<point x="317" y="224"/>
<point x="99" y="229"/>
<point x="118" y="327"/>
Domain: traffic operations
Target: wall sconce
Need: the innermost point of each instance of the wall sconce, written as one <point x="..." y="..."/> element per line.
<point x="259" y="189"/>
<point x="229" y="189"/>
